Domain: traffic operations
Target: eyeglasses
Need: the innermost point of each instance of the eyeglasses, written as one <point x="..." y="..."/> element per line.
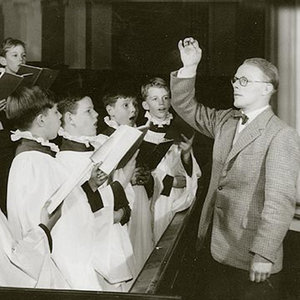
<point x="243" y="81"/>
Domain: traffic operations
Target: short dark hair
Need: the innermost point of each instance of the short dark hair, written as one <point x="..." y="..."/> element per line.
<point x="153" y="82"/>
<point x="25" y="104"/>
<point x="9" y="43"/>
<point x="112" y="98"/>
<point x="69" y="102"/>
<point x="268" y="69"/>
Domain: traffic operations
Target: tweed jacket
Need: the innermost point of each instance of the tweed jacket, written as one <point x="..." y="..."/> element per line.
<point x="251" y="196"/>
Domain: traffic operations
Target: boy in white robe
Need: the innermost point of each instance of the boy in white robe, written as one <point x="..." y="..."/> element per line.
<point x="22" y="261"/>
<point x="113" y="255"/>
<point x="122" y="110"/>
<point x="176" y="176"/>
<point x="35" y="175"/>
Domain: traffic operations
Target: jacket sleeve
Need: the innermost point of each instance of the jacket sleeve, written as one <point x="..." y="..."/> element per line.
<point x="201" y="118"/>
<point x="281" y="171"/>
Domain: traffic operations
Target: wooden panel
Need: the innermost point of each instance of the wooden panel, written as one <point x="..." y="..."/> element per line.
<point x="53" y="32"/>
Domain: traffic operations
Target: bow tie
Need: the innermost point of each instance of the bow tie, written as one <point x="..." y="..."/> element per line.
<point x="238" y="114"/>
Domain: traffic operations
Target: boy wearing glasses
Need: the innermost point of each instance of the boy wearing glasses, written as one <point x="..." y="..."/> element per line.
<point x="251" y="198"/>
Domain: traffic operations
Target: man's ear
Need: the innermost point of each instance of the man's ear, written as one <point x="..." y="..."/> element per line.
<point x="110" y="110"/>
<point x="269" y="89"/>
<point x="145" y="105"/>
<point x="3" y="61"/>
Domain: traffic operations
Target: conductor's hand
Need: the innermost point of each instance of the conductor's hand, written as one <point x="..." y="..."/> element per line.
<point x="260" y="268"/>
<point x="190" y="53"/>
<point x="49" y="220"/>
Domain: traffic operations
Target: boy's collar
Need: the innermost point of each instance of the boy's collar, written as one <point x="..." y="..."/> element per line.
<point x="86" y="140"/>
<point x="158" y="122"/>
<point x="18" y="134"/>
<point x="111" y="123"/>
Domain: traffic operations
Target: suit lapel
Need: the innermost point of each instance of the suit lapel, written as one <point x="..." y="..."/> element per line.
<point x="227" y="136"/>
<point x="250" y="133"/>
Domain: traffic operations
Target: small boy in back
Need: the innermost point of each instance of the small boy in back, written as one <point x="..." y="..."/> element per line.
<point x="12" y="54"/>
<point x="35" y="175"/>
<point x="176" y="176"/>
<point x="122" y="109"/>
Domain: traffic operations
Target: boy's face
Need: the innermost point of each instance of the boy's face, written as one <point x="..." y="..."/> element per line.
<point x="85" y="119"/>
<point x="52" y="122"/>
<point x="124" y="111"/>
<point x="14" y="57"/>
<point x="157" y="102"/>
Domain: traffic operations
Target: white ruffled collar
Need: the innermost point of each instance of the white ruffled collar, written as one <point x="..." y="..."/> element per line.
<point x="158" y="122"/>
<point x="18" y="134"/>
<point x="111" y="123"/>
<point x="86" y="140"/>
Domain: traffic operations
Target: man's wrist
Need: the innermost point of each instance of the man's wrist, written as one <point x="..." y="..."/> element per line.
<point x="187" y="71"/>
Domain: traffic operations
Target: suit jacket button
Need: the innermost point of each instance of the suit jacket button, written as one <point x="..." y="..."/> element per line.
<point x="220" y="188"/>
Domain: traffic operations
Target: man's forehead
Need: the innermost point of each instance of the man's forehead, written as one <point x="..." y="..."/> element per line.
<point x="249" y="71"/>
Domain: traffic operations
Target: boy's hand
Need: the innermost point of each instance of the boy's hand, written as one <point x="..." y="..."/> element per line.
<point x="128" y="171"/>
<point x="2" y="104"/>
<point x="140" y="176"/>
<point x="118" y="215"/>
<point x="186" y="147"/>
<point x="49" y="220"/>
<point x="190" y="54"/>
<point x="179" y="182"/>
<point x="97" y="178"/>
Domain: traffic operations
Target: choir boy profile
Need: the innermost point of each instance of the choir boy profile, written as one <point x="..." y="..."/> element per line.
<point x="176" y="175"/>
<point x="113" y="256"/>
<point x="121" y="107"/>
<point x="35" y="175"/>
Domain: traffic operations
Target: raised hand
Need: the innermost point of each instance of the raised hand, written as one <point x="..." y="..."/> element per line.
<point x="190" y="53"/>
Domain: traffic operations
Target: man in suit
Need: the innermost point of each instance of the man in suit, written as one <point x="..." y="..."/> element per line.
<point x="251" y="198"/>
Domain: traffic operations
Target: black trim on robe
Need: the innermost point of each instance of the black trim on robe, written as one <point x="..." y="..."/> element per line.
<point x="120" y="201"/>
<point x="48" y="234"/>
<point x="31" y="145"/>
<point x="94" y="198"/>
<point x="149" y="186"/>
<point x="188" y="166"/>
<point x="167" y="185"/>
<point x="68" y="145"/>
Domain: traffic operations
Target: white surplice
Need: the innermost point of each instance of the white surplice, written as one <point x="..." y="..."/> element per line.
<point x="23" y="261"/>
<point x="164" y="207"/>
<point x="113" y="254"/>
<point x="34" y="177"/>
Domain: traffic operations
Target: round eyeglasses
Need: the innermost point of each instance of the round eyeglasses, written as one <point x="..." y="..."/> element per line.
<point x="243" y="81"/>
